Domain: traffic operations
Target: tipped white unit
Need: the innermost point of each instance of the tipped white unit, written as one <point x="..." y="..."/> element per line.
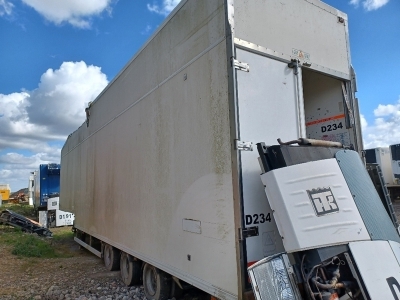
<point x="383" y="257"/>
<point x="309" y="213"/>
<point x="42" y="215"/>
<point x="53" y="203"/>
<point x="64" y="218"/>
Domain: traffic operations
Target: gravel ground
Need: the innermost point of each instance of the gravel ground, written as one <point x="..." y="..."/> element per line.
<point x="82" y="277"/>
<point x="91" y="289"/>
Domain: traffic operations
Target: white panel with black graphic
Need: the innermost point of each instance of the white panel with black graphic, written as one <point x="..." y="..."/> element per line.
<point x="323" y="201"/>
<point x="313" y="206"/>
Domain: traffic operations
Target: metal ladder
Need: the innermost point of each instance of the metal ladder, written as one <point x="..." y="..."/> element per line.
<point x="380" y="185"/>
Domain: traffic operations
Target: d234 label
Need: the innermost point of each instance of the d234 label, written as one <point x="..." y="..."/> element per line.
<point x="257" y="219"/>
<point x="331" y="127"/>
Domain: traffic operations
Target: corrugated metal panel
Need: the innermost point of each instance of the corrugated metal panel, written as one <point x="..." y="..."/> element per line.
<point x="366" y="197"/>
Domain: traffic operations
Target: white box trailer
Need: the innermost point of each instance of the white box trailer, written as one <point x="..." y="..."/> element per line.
<point x="388" y="160"/>
<point x="162" y="174"/>
<point x="395" y="160"/>
<point x="382" y="157"/>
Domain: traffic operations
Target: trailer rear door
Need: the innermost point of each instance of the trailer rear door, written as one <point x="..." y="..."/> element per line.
<point x="267" y="110"/>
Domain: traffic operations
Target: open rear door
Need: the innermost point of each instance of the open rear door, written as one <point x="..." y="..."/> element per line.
<point x="268" y="109"/>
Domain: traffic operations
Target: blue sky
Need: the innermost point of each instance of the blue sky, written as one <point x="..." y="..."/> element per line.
<point x="57" y="55"/>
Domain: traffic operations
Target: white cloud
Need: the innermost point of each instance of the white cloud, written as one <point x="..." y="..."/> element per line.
<point x="5" y="7"/>
<point x="36" y="123"/>
<point x="62" y="96"/>
<point x="78" y="13"/>
<point x="386" y="110"/>
<point x="146" y="30"/>
<point x="374" y="4"/>
<point x="355" y="2"/>
<point x="165" y="8"/>
<point x="16" y="167"/>
<point x="20" y="161"/>
<point x="364" y="123"/>
<point x="54" y="109"/>
<point x="369" y="5"/>
<point x="385" y="130"/>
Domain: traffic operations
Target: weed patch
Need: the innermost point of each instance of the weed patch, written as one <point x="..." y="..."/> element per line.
<point x="62" y="235"/>
<point x="31" y="245"/>
<point x="22" y="209"/>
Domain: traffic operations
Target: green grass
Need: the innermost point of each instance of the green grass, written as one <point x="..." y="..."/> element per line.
<point x="63" y="235"/>
<point x="22" y="209"/>
<point x="31" y="245"/>
<point x="24" y="244"/>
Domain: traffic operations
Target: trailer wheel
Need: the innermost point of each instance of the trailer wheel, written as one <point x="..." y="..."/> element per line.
<point x="156" y="283"/>
<point x="111" y="257"/>
<point x="176" y="291"/>
<point x="130" y="270"/>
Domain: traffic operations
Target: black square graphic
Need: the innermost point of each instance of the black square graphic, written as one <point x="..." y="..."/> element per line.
<point x="323" y="201"/>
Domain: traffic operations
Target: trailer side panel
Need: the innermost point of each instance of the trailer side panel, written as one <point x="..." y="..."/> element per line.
<point x="151" y="174"/>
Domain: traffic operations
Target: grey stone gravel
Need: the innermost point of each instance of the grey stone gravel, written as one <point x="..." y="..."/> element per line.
<point x="95" y="289"/>
<point x="79" y="277"/>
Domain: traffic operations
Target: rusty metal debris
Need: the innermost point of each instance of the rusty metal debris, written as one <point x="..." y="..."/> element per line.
<point x="11" y="218"/>
<point x="312" y="142"/>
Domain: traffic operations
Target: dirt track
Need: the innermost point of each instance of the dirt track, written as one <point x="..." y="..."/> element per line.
<point x="31" y="278"/>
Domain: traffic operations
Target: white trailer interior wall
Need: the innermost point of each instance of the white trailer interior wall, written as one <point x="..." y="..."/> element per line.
<point x="383" y="158"/>
<point x="157" y="172"/>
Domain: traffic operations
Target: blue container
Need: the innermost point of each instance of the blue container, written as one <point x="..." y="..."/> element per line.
<point x="47" y="184"/>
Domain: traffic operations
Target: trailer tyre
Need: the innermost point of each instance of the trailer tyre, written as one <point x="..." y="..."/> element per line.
<point x="176" y="291"/>
<point x="111" y="257"/>
<point x="156" y="283"/>
<point x="130" y="269"/>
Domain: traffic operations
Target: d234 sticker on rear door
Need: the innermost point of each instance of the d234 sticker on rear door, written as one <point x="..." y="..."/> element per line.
<point x="331" y="128"/>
